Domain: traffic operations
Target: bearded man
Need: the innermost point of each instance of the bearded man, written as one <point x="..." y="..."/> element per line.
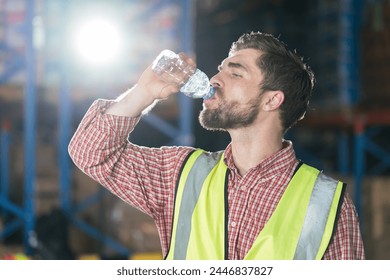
<point x="255" y="199"/>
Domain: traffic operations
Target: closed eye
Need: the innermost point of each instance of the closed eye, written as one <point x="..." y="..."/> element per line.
<point x="232" y="73"/>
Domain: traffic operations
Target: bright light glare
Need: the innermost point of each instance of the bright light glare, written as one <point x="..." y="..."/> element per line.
<point x="98" y="41"/>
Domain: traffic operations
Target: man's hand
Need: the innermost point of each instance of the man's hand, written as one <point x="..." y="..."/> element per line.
<point x="161" y="87"/>
<point x="149" y="89"/>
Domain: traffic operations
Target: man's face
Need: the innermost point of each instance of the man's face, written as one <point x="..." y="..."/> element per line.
<point x="236" y="103"/>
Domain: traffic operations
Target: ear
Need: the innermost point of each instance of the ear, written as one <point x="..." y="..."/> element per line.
<point x="273" y="100"/>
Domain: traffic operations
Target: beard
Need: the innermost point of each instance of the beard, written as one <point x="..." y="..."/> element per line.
<point x="230" y="115"/>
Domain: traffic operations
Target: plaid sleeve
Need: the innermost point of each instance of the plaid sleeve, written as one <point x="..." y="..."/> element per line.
<point x="141" y="176"/>
<point x="346" y="243"/>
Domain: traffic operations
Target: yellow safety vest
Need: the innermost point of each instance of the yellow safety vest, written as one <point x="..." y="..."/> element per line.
<point x="300" y="227"/>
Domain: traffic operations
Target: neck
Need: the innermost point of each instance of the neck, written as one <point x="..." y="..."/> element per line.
<point x="250" y="147"/>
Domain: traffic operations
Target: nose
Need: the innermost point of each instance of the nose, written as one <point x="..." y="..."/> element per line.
<point x="216" y="81"/>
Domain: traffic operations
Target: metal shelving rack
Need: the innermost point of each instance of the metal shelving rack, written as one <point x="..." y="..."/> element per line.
<point x="17" y="61"/>
<point x="356" y="126"/>
<point x="181" y="134"/>
<point x="337" y="60"/>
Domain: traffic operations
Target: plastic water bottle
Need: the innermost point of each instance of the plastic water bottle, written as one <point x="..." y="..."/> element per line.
<point x="171" y="68"/>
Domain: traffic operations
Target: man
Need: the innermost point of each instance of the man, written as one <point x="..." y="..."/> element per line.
<point x="254" y="200"/>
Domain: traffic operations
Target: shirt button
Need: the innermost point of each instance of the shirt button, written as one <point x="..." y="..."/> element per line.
<point x="243" y="188"/>
<point x="233" y="224"/>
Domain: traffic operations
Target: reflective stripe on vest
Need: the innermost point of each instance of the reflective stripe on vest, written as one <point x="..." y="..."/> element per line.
<point x="300" y="227"/>
<point x="197" y="197"/>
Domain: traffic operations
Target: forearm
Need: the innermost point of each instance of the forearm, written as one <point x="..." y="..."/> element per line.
<point x="127" y="108"/>
<point x="141" y="176"/>
<point x="132" y="103"/>
<point x="140" y="98"/>
<point x="95" y="140"/>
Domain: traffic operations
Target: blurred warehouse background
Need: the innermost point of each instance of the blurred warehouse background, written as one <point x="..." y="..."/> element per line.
<point x="57" y="56"/>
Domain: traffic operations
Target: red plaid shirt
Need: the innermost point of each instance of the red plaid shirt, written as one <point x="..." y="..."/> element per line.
<point x="146" y="178"/>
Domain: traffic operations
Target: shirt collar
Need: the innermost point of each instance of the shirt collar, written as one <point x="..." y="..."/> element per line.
<point x="272" y="165"/>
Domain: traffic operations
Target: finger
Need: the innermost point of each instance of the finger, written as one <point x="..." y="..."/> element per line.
<point x="187" y="59"/>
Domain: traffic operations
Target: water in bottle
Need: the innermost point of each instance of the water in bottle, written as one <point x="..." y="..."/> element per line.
<point x="194" y="83"/>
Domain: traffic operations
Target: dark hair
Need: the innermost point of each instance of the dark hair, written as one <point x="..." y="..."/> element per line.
<point x="283" y="70"/>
